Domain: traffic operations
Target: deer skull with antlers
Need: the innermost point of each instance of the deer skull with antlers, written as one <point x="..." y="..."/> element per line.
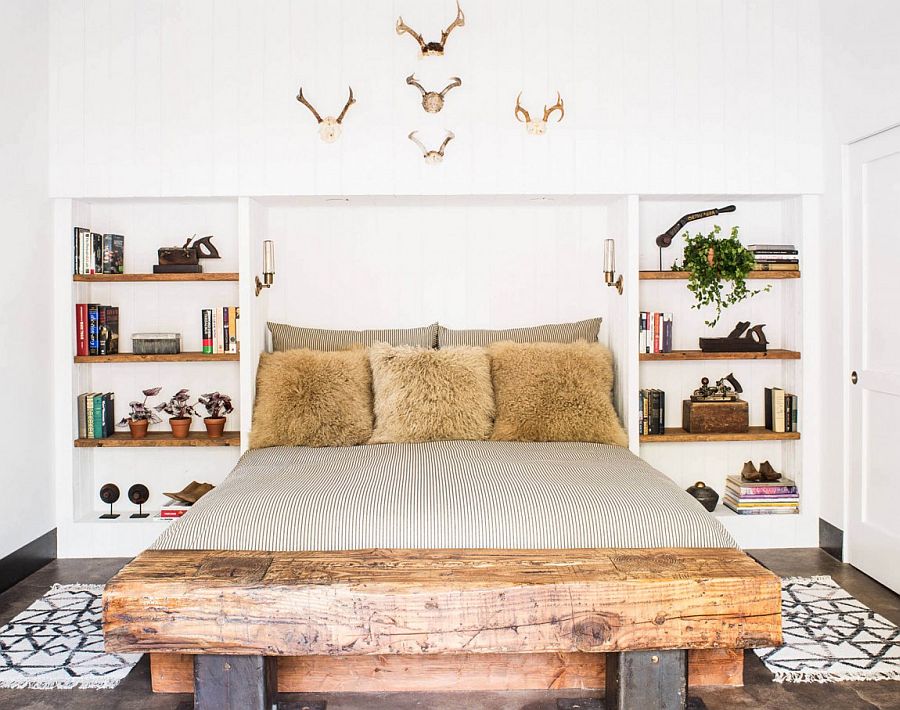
<point x="433" y="101"/>
<point x="329" y="127"/>
<point x="533" y="126"/>
<point x="432" y="157"/>
<point x="432" y="49"/>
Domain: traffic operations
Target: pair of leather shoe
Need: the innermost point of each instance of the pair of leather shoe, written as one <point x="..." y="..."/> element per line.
<point x="765" y="473"/>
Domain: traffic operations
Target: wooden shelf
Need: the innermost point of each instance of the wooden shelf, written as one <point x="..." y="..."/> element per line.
<point x="756" y="433"/>
<point x="683" y="275"/>
<point x="160" y="438"/>
<point x="680" y="355"/>
<point x="180" y="357"/>
<point x="131" y="278"/>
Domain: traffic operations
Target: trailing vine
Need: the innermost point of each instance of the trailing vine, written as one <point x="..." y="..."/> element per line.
<point x="713" y="260"/>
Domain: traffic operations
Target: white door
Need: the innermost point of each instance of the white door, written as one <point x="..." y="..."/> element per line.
<point x="872" y="252"/>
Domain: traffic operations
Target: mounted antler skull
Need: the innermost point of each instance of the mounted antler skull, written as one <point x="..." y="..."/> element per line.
<point x="533" y="126"/>
<point x="329" y="127"/>
<point x="433" y="49"/>
<point x="433" y="101"/>
<point x="432" y="157"/>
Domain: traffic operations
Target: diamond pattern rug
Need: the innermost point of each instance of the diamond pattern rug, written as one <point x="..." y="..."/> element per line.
<point x="57" y="642"/>
<point x="829" y="636"/>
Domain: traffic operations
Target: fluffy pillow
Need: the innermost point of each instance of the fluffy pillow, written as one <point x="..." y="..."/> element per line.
<point x="311" y="398"/>
<point x="554" y="392"/>
<point x="431" y="395"/>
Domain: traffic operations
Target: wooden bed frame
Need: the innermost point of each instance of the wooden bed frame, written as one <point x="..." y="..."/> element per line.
<point x="638" y="621"/>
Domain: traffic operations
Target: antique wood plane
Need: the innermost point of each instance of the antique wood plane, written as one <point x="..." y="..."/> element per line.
<point x="743" y="339"/>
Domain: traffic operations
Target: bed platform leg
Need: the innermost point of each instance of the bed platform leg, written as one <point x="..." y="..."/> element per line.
<point x="235" y="683"/>
<point x="637" y="680"/>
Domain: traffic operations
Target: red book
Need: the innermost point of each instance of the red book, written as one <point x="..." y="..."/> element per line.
<point x="81" y="328"/>
<point x="172" y="513"/>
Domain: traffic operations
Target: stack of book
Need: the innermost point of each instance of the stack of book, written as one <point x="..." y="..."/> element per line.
<point x="173" y="509"/>
<point x="652" y="408"/>
<point x="98" y="253"/>
<point x="96" y="415"/>
<point x="761" y="497"/>
<point x="655" y="333"/>
<point x="221" y="329"/>
<point x="775" y="257"/>
<point x="782" y="410"/>
<point x="96" y="329"/>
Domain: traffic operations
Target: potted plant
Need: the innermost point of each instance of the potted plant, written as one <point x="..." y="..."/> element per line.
<point x="712" y="260"/>
<point x="218" y="406"/>
<point x="141" y="416"/>
<point x="180" y="413"/>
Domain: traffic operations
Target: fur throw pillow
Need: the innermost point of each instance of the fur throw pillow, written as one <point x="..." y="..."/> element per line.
<point x="431" y="395"/>
<point x="312" y="398"/>
<point x="554" y="392"/>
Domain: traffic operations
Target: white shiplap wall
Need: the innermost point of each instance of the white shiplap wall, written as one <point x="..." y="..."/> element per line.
<point x="196" y="97"/>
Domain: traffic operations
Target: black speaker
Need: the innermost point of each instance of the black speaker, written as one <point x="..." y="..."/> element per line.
<point x="139" y="494"/>
<point x="109" y="494"/>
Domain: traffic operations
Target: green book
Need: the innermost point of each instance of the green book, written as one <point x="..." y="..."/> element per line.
<point x="98" y="416"/>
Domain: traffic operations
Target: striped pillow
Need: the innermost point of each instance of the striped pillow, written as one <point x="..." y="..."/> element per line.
<point x="291" y="337"/>
<point x="552" y="333"/>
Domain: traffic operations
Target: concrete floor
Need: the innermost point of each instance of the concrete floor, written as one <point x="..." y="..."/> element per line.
<point x="759" y="692"/>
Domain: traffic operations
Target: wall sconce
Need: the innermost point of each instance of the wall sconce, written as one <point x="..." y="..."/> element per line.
<point x="609" y="265"/>
<point x="268" y="267"/>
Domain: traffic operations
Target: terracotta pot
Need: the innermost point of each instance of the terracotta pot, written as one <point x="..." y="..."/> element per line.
<point x="711" y="256"/>
<point x="214" y="427"/>
<point x="138" y="428"/>
<point x="181" y="426"/>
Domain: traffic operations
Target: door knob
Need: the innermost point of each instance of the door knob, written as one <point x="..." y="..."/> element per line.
<point x="854" y="378"/>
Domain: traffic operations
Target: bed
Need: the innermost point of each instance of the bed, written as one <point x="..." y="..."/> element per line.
<point x="463" y="564"/>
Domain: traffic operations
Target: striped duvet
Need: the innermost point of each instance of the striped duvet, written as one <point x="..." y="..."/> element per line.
<point x="447" y="494"/>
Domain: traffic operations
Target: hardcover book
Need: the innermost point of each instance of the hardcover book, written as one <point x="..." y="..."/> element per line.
<point x="113" y="256"/>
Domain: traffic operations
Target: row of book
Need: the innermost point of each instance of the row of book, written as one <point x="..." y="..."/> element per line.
<point x="652" y="408"/>
<point x="655" y="332"/>
<point x="96" y="415"/>
<point x="761" y="497"/>
<point x="98" y="253"/>
<point x="775" y="257"/>
<point x="221" y="329"/>
<point x="782" y="410"/>
<point x="96" y="329"/>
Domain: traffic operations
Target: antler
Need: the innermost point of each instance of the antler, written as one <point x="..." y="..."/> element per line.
<point x="521" y="110"/>
<point x="450" y="136"/>
<point x="458" y="22"/>
<point x="558" y="106"/>
<point x="454" y="82"/>
<point x="411" y="80"/>
<point x="403" y="27"/>
<point x="412" y="137"/>
<point x="349" y="103"/>
<point x="308" y="105"/>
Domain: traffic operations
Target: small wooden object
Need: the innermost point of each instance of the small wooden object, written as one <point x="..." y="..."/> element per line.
<point x="715" y="417"/>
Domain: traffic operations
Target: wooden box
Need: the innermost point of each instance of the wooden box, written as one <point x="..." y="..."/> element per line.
<point x="715" y="417"/>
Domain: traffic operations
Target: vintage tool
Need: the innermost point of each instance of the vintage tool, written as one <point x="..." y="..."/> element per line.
<point x="665" y="239"/>
<point x="186" y="259"/>
<point x="739" y="340"/>
<point x="716" y="409"/>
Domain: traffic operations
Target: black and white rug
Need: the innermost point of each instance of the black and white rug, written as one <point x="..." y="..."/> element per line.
<point x="829" y="636"/>
<point x="57" y="642"/>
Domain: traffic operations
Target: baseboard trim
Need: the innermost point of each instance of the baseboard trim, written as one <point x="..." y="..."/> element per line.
<point x="831" y="539"/>
<point x="28" y="559"/>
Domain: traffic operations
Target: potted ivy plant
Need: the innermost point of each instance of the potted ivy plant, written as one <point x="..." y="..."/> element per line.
<point x="180" y="413"/>
<point x="218" y="407"/>
<point x="141" y="416"/>
<point x="713" y="260"/>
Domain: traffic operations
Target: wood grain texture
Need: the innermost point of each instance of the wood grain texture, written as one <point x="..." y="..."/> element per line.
<point x="684" y="275"/>
<point x="133" y="278"/>
<point x="680" y="355"/>
<point x="160" y="438"/>
<point x="715" y="417"/>
<point x="178" y="357"/>
<point x="173" y="672"/>
<point x="755" y="433"/>
<point x="369" y="602"/>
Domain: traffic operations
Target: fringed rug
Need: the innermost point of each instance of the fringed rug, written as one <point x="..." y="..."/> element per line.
<point x="829" y="636"/>
<point x="57" y="642"/>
